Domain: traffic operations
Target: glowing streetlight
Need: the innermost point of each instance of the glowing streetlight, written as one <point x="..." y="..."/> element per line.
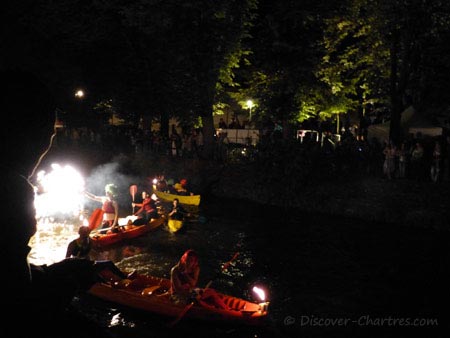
<point x="250" y="106"/>
<point x="79" y="93"/>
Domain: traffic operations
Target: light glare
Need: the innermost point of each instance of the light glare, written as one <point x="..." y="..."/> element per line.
<point x="260" y="292"/>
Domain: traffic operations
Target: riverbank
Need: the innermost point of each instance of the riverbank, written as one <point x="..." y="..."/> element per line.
<point x="372" y="199"/>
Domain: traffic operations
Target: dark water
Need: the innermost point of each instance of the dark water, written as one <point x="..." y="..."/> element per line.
<point x="325" y="276"/>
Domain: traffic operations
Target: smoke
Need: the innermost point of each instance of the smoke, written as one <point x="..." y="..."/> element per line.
<point x="106" y="174"/>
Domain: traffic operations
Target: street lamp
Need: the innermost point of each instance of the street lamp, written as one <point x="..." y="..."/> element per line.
<point x="79" y="93"/>
<point x="79" y="96"/>
<point x="250" y="105"/>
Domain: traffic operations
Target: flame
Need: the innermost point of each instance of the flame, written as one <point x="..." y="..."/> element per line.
<point x="62" y="192"/>
<point x="260" y="292"/>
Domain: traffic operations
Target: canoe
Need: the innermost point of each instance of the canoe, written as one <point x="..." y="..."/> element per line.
<point x="100" y="240"/>
<point x="190" y="199"/>
<point x="174" y="225"/>
<point x="149" y="293"/>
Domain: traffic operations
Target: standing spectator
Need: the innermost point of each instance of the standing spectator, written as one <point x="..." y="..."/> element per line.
<point x="175" y="142"/>
<point x="234" y="124"/>
<point x="436" y="162"/>
<point x="222" y="124"/>
<point x="446" y="159"/>
<point x="402" y="160"/>
<point x="417" y="161"/>
<point x="389" y="160"/>
<point x="187" y="145"/>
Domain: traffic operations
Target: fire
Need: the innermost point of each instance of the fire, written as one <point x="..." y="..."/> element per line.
<point x="61" y="192"/>
<point x="260" y="293"/>
<point x="59" y="206"/>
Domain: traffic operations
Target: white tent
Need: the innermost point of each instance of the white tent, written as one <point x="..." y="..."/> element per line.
<point x="411" y="122"/>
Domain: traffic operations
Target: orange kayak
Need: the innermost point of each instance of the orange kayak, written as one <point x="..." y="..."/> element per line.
<point x="127" y="232"/>
<point x="149" y="293"/>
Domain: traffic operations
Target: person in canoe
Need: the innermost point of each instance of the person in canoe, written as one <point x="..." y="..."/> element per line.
<point x="110" y="207"/>
<point x="177" y="212"/>
<point x="148" y="209"/>
<point x="183" y="283"/>
<point x="80" y="247"/>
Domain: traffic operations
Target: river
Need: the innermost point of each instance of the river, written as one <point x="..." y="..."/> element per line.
<point x="325" y="276"/>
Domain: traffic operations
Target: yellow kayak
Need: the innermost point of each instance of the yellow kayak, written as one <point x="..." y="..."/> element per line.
<point x="190" y="199"/>
<point x="174" y="225"/>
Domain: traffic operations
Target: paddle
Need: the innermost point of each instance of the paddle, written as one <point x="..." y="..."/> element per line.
<point x="191" y="304"/>
<point x="133" y="190"/>
<point x="95" y="219"/>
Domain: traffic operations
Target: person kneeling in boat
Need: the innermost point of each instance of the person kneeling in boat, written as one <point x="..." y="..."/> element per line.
<point x="148" y="209"/>
<point x="183" y="283"/>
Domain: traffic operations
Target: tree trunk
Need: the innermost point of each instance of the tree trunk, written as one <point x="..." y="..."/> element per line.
<point x="208" y="135"/>
<point x="396" y="106"/>
<point x="164" y="125"/>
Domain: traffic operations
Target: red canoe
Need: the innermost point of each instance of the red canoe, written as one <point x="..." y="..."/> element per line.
<point x="127" y="232"/>
<point x="149" y="293"/>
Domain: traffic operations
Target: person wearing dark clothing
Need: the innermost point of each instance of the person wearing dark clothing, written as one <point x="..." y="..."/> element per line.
<point x="177" y="212"/>
<point x="80" y="247"/>
<point x="222" y="124"/>
<point x="234" y="124"/>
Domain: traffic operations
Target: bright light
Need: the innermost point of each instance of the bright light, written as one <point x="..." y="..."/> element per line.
<point x="260" y="292"/>
<point x="62" y="192"/>
<point x="60" y="197"/>
<point x="250" y="106"/>
<point x="79" y="93"/>
<point x="155" y="181"/>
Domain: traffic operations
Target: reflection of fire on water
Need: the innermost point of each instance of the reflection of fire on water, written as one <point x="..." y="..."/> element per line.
<point x="49" y="244"/>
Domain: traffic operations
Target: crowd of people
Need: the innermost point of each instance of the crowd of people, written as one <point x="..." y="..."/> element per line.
<point x="418" y="157"/>
<point x="417" y="160"/>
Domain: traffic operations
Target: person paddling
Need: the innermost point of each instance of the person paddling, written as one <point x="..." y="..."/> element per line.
<point x="177" y="212"/>
<point x="148" y="209"/>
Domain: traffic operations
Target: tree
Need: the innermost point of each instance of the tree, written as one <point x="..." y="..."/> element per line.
<point x="284" y="53"/>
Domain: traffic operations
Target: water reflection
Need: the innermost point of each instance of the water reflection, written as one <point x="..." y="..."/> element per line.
<point x="311" y="265"/>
